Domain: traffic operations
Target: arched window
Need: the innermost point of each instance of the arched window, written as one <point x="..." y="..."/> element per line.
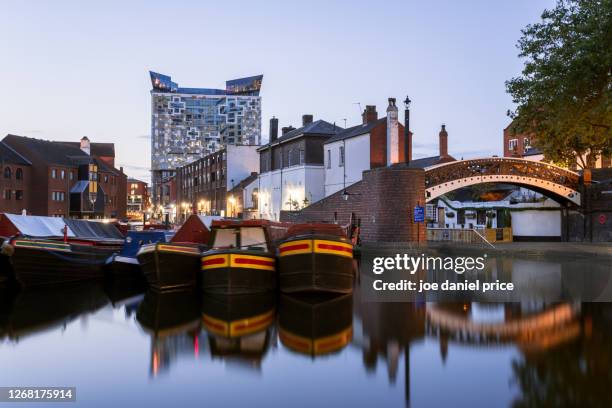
<point x="7" y="172"/>
<point x="19" y="174"/>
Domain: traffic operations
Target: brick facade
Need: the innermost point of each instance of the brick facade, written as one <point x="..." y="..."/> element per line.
<point x="383" y="201"/>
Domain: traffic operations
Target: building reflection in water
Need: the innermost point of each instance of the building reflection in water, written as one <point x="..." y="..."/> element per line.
<point x="173" y="322"/>
<point x="315" y="324"/>
<point x="239" y="327"/>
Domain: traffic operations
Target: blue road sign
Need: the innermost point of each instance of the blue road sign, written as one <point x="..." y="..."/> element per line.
<point x="419" y="214"/>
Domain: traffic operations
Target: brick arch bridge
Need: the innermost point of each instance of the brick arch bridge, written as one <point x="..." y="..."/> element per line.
<point x="551" y="180"/>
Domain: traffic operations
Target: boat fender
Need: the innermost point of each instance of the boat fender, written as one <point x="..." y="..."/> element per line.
<point x="6" y="249"/>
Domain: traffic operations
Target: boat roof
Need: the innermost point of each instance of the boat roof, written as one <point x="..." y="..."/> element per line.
<point x="93" y="230"/>
<point x="316" y="228"/>
<point x="39" y="226"/>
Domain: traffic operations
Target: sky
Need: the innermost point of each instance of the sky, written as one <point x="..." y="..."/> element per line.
<point x="73" y="68"/>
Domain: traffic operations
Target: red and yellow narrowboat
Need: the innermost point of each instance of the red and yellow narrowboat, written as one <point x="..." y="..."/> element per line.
<point x="241" y="260"/>
<point x="315" y="258"/>
<point x="316" y="325"/>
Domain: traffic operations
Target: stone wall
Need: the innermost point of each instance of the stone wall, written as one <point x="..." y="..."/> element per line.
<point x="384" y="201"/>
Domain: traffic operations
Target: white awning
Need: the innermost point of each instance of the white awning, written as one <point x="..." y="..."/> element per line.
<point x="37" y="226"/>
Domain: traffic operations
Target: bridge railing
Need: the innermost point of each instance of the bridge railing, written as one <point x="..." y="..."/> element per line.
<point x="500" y="166"/>
<point x="466" y="236"/>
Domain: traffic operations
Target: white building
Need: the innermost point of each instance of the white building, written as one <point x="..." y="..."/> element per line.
<point x="292" y="172"/>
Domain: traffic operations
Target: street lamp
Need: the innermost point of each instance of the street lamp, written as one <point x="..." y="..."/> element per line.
<point x="407" y="138"/>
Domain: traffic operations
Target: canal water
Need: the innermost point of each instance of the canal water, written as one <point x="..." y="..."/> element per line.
<point x="121" y="347"/>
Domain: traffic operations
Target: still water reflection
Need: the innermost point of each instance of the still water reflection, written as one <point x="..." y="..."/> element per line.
<point x="123" y="347"/>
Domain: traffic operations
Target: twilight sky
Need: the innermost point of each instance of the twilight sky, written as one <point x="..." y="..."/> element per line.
<point x="72" y="68"/>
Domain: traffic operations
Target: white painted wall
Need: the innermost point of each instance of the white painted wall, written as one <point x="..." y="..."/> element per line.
<point x="298" y="182"/>
<point x="356" y="161"/>
<point x="534" y="223"/>
<point x="241" y="162"/>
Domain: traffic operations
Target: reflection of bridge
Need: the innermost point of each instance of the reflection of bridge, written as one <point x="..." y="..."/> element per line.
<point x="547" y="178"/>
<point x="542" y="328"/>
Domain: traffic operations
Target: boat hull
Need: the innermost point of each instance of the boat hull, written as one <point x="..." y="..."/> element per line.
<point x="38" y="263"/>
<point x="316" y="264"/>
<point x="237" y="272"/>
<point x="122" y="269"/>
<point x="169" y="267"/>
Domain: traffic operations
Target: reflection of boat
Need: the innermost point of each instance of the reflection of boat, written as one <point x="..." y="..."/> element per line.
<point x="316" y="325"/>
<point x="173" y="321"/>
<point x="316" y="257"/>
<point x="124" y="264"/>
<point x="241" y="260"/>
<point x="175" y="265"/>
<point x="238" y="325"/>
<point x="39" y="309"/>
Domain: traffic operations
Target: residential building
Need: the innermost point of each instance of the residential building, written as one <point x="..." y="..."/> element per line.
<point x="189" y="123"/>
<point x="376" y="142"/>
<point x="69" y="181"/>
<point x="203" y="186"/>
<point x="292" y="170"/>
<point x="242" y="198"/>
<point x="520" y="144"/>
<point x="137" y="198"/>
<point x="15" y="177"/>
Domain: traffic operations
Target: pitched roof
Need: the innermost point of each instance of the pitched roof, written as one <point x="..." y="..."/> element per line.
<point x="8" y="155"/>
<point x="133" y="180"/>
<point x="97" y="149"/>
<point x="51" y="152"/>
<point x="318" y="127"/>
<point x="356" y="130"/>
<point x="424" y="162"/>
<point x="244" y="182"/>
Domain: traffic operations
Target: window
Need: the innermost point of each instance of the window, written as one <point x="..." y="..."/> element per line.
<point x="526" y="144"/>
<point x="105" y="178"/>
<point x="341" y="158"/>
<point x="512" y="143"/>
<point x="7" y="194"/>
<point x="329" y="159"/>
<point x="302" y="156"/>
<point x="19" y="174"/>
<point x="63" y="175"/>
<point x="58" y="196"/>
<point x="71" y="176"/>
<point x="7" y="172"/>
<point x="18" y="195"/>
<point x="53" y="173"/>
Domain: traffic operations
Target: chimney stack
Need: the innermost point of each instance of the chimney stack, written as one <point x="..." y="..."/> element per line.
<point x="273" y="129"/>
<point x="85" y="145"/>
<point x="286" y="129"/>
<point x="369" y="114"/>
<point x="392" y="134"/>
<point x="443" y="142"/>
<point x="306" y="120"/>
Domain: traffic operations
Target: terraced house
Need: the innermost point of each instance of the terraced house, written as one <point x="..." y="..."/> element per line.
<point x="63" y="179"/>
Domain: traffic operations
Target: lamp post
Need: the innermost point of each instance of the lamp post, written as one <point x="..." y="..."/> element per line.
<point x="407" y="138"/>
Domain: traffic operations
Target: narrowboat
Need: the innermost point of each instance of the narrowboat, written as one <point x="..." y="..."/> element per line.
<point x="174" y="265"/>
<point x="241" y="259"/>
<point x="239" y="326"/>
<point x="315" y="324"/>
<point x="124" y="265"/>
<point x="315" y="258"/>
<point x="49" y="250"/>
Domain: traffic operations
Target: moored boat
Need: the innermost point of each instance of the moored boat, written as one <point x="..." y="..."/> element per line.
<point x="241" y="260"/>
<point x="316" y="258"/>
<point x="124" y="265"/>
<point x="174" y="265"/>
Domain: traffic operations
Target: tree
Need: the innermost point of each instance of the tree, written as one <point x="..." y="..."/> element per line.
<point x="563" y="95"/>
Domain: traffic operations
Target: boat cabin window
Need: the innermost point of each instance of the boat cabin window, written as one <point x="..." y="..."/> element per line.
<point x="253" y="238"/>
<point x="226" y="238"/>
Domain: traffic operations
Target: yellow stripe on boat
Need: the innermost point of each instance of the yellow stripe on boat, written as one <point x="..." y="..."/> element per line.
<point x="178" y="249"/>
<point x="303" y="246"/>
<point x="317" y="346"/>
<point x="323" y="246"/>
<point x="238" y="328"/>
<point x="215" y="261"/>
<point x="49" y="246"/>
<point x="252" y="262"/>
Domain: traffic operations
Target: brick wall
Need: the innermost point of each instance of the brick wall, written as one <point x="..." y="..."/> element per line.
<point x="383" y="200"/>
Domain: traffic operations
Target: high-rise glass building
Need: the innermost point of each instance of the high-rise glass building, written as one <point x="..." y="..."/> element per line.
<point x="189" y="123"/>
